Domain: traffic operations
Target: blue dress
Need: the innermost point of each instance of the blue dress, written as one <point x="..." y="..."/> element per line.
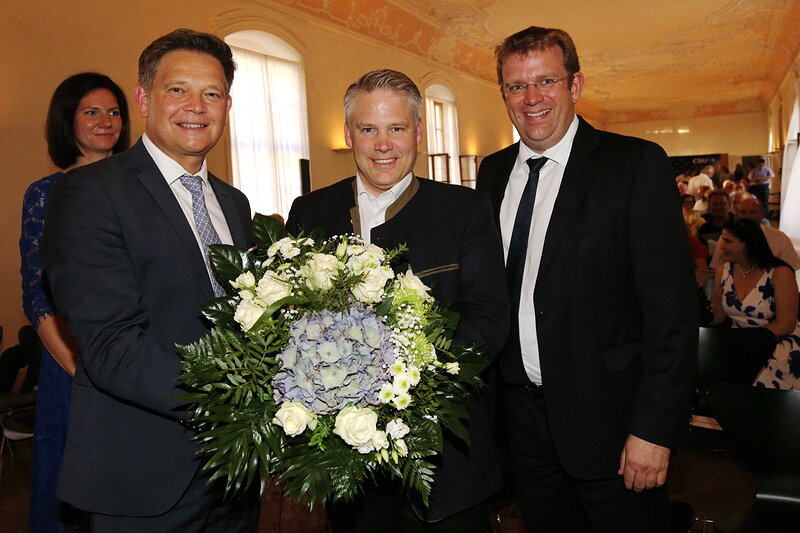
<point x="52" y="400"/>
<point x="756" y="309"/>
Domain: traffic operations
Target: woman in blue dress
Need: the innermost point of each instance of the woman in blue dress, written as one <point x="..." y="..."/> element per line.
<point x="87" y="121"/>
<point x="757" y="290"/>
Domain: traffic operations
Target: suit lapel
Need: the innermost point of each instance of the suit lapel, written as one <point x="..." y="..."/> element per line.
<point x="238" y="233"/>
<point x="577" y="175"/>
<point x="150" y="177"/>
<point x="502" y="172"/>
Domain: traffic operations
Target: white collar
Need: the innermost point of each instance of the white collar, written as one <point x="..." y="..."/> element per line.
<point x="558" y="152"/>
<point x="171" y="169"/>
<point x="393" y="193"/>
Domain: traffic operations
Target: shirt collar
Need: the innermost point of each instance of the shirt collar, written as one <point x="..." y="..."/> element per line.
<point x="558" y="152"/>
<point x="392" y="194"/>
<point x="171" y="169"/>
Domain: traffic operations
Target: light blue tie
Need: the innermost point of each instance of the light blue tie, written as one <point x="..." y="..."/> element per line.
<point x="208" y="235"/>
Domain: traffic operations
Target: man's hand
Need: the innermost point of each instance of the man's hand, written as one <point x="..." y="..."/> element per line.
<point x="643" y="465"/>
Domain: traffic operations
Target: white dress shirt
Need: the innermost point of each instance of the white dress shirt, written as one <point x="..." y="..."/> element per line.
<point x="172" y="172"/>
<point x="550" y="177"/>
<point x="372" y="209"/>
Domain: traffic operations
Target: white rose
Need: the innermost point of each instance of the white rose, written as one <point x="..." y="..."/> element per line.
<point x="287" y="247"/>
<point x="379" y="441"/>
<point x="410" y="281"/>
<point x="356" y="425"/>
<point x="370" y="289"/>
<point x="247" y="313"/>
<point x="320" y="270"/>
<point x="246" y="295"/>
<point x="294" y="417"/>
<point x="246" y="280"/>
<point x="401" y="447"/>
<point x="272" y="287"/>
<point x="341" y="249"/>
<point x="397" y="429"/>
<point x="452" y="368"/>
<point x="365" y="448"/>
<point x="369" y="257"/>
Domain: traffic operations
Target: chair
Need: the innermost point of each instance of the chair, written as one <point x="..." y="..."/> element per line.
<point x="763" y="424"/>
<point x="13" y="409"/>
<point x="17" y="425"/>
<point x="730" y="355"/>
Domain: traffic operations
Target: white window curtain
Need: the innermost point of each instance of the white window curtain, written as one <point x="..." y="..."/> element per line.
<point x="269" y="132"/>
<point x="447" y="123"/>
<point x="790" y="179"/>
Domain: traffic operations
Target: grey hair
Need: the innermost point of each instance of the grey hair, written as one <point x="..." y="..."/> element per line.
<point x="383" y="79"/>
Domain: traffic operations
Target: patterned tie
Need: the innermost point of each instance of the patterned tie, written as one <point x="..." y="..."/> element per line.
<point x="208" y="235"/>
<point x="511" y="365"/>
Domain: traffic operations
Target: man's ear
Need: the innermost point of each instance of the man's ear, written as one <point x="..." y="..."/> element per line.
<point x="348" y="138"/>
<point x="142" y="100"/>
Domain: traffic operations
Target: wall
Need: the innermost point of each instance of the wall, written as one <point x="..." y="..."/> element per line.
<point x="737" y="135"/>
<point x="48" y="41"/>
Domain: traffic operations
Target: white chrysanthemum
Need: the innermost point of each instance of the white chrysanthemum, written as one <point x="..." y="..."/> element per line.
<point x="386" y="394"/>
<point x="401" y="383"/>
<point x="401" y="401"/>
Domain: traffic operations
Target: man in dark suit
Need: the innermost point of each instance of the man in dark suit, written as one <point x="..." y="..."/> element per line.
<point x="126" y="251"/>
<point x="598" y="365"/>
<point x="454" y="247"/>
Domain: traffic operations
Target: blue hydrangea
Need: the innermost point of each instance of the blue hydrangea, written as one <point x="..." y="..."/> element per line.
<point x="334" y="359"/>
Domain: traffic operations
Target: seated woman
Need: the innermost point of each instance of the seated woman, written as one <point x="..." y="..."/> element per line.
<point x="756" y="289"/>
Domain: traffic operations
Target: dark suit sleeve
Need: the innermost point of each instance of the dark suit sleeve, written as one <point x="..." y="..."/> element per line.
<point x="94" y="284"/>
<point x="664" y="283"/>
<point x="482" y="299"/>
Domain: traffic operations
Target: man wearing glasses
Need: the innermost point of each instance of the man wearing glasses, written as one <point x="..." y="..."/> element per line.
<point x="598" y="365"/>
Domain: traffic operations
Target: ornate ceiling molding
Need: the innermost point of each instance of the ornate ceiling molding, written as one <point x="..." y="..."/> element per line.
<point x="400" y="28"/>
<point x="643" y="61"/>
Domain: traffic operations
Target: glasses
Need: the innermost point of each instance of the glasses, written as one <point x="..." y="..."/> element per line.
<point x="547" y="84"/>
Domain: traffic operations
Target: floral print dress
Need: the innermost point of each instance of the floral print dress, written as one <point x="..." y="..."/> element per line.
<point x="757" y="309"/>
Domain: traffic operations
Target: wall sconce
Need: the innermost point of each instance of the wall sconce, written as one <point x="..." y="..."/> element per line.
<point x="343" y="150"/>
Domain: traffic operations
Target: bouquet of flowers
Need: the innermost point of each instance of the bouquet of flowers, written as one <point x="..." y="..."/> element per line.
<point x="324" y="368"/>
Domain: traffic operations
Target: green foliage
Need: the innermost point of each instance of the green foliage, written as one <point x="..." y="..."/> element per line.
<point x="266" y="231"/>
<point x="229" y="261"/>
<point x="228" y="377"/>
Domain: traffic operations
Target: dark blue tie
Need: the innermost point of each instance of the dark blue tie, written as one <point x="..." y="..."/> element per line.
<point x="511" y="360"/>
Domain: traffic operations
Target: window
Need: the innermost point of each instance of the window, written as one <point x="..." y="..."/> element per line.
<point x="442" y="125"/>
<point x="790" y="178"/>
<point x="268" y="121"/>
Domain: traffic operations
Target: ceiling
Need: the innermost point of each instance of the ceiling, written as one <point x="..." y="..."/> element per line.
<point x="643" y="59"/>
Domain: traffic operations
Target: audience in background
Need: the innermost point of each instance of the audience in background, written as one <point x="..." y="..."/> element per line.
<point x="719" y="213"/>
<point x="760" y="178"/>
<point x="738" y="172"/>
<point x="780" y="244"/>
<point x="703" y="179"/>
<point x="690" y="217"/>
<point x="754" y="288"/>
<point x="27" y="353"/>
<point x="728" y="186"/>
<point x="87" y="121"/>
<point x="701" y="205"/>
